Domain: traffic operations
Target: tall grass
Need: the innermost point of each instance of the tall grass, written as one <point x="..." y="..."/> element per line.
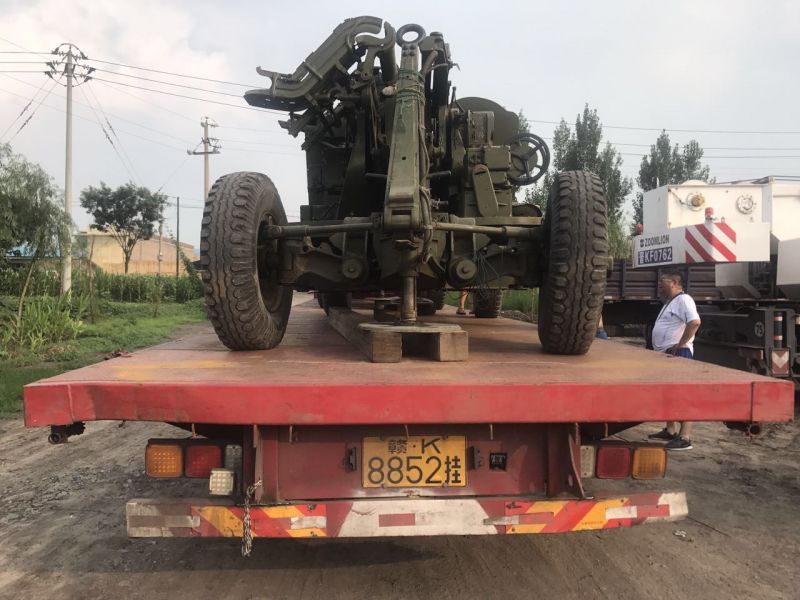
<point x="107" y="286"/>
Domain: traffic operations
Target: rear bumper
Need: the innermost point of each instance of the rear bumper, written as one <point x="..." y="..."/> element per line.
<point x="186" y="517"/>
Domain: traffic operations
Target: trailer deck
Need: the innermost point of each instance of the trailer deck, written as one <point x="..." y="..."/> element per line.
<point x="315" y="377"/>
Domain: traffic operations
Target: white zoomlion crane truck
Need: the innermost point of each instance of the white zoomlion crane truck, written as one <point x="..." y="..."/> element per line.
<point x="738" y="246"/>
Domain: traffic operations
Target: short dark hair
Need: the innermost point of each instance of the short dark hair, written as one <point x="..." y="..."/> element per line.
<point x="674" y="276"/>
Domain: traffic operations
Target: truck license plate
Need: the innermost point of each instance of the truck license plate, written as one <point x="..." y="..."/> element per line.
<point x="414" y="461"/>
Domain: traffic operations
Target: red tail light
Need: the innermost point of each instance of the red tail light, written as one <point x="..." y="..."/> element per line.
<point x="613" y="462"/>
<point x="201" y="458"/>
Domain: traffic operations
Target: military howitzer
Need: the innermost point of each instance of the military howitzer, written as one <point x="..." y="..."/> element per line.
<point x="410" y="189"/>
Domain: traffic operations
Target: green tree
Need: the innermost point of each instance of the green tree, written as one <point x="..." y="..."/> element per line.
<point x="582" y="148"/>
<point x="667" y="164"/>
<point x="129" y="213"/>
<point x="31" y="217"/>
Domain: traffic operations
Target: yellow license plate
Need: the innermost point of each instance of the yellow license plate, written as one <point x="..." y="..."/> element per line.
<point x="414" y="461"/>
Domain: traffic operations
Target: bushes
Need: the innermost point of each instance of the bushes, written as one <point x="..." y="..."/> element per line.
<point x="107" y="286"/>
<point x="46" y="321"/>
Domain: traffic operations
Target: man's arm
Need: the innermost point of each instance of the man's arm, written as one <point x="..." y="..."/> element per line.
<point x="688" y="333"/>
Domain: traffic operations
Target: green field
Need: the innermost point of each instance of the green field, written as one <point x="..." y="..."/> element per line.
<point x="120" y="326"/>
<point x="525" y="301"/>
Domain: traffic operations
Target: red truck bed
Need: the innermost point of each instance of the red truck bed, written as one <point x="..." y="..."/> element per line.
<point x="316" y="377"/>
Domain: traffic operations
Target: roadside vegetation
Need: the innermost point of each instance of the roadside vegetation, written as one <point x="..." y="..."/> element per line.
<point x="44" y="331"/>
<point x="57" y="336"/>
<point x="519" y="301"/>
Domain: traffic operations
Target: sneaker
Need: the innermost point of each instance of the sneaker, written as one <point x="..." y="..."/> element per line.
<point x="664" y="434"/>
<point x="679" y="443"/>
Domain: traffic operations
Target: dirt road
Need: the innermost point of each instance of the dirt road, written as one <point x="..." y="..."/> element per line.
<point x="62" y="535"/>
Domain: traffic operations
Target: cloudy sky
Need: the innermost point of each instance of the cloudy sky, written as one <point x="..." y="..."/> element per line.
<point x="722" y="72"/>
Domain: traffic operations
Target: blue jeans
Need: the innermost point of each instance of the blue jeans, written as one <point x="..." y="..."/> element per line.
<point x="683" y="353"/>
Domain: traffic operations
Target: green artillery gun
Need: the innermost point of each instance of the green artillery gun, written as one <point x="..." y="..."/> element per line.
<point x="410" y="189"/>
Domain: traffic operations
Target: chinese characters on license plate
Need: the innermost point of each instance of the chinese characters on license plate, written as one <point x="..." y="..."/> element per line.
<point x="414" y="461"/>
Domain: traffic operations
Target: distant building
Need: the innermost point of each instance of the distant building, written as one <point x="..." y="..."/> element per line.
<point x="106" y="253"/>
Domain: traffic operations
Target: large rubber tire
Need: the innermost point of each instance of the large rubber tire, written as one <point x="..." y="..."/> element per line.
<point x="437" y="296"/>
<point x="487" y="303"/>
<point x="244" y="302"/>
<point x="576" y="259"/>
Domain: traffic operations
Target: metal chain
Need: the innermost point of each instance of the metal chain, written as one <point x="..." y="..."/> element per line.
<point x="247" y="536"/>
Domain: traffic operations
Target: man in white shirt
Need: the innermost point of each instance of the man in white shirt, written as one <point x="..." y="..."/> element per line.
<point x="673" y="333"/>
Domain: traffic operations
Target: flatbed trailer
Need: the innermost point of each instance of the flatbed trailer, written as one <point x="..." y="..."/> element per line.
<point x="311" y="440"/>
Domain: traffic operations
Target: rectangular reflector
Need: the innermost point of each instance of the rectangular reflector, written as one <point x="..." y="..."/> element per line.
<point x="221" y="482"/>
<point x="233" y="457"/>
<point x="163" y="460"/>
<point x="588" y="455"/>
<point x="201" y="458"/>
<point x="649" y="463"/>
<point x="613" y="462"/>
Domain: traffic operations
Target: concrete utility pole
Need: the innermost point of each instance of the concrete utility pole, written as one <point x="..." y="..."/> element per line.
<point x="160" y="238"/>
<point x="178" y="237"/>
<point x="72" y="69"/>
<point x="210" y="146"/>
<point x="66" y="250"/>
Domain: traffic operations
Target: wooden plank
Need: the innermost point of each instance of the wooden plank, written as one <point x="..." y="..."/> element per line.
<point x="383" y="343"/>
<point x="377" y="346"/>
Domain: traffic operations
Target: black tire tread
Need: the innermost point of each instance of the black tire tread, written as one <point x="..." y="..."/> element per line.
<point x="234" y="303"/>
<point x="487" y="303"/>
<point x="571" y="295"/>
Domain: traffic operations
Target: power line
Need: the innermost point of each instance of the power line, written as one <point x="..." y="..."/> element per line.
<point x="248" y="142"/>
<point x="178" y="168"/>
<point x="108" y="62"/>
<point x="33" y="113"/>
<point x="158" y="131"/>
<point x="22" y="112"/>
<point x="130" y="170"/>
<point x="48" y="54"/>
<point x="61" y="110"/>
<point x="146" y="101"/>
<point x="180" y="85"/>
<point x="239" y="106"/>
<point x="725" y="131"/>
<point x="717" y="157"/>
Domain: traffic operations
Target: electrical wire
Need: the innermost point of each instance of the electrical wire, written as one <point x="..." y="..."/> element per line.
<point x="22" y="112"/>
<point x="33" y="113"/>
<point x="83" y="118"/>
<point x="130" y="170"/>
<point x="116" y="64"/>
<point x="158" y="131"/>
<point x="723" y="131"/>
<point x="146" y="101"/>
<point x="239" y="106"/>
<point x="180" y="85"/>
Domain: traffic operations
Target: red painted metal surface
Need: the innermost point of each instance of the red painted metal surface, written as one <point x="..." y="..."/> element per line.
<point x="316" y="377"/>
<point x="314" y="465"/>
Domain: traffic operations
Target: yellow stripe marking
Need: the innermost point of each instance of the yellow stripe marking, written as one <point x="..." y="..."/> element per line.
<point x="547" y="506"/>
<point x="282" y="512"/>
<point x="596" y="518"/>
<point x="223" y="520"/>
<point x="306" y="533"/>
